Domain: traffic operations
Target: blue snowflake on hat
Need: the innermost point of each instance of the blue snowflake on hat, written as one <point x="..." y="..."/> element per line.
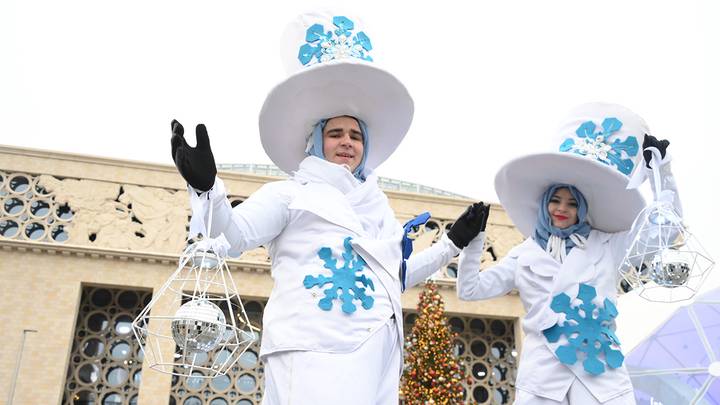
<point x="593" y="143"/>
<point x="338" y="43"/>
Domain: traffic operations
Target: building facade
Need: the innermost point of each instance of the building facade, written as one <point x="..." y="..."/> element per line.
<point x="85" y="241"/>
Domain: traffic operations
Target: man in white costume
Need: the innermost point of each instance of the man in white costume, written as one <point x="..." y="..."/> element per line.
<point x="333" y="323"/>
<point x="575" y="208"/>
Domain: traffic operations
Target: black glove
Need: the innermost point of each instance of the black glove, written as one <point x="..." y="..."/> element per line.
<point x="469" y="224"/>
<point x="196" y="165"/>
<point x="651" y="142"/>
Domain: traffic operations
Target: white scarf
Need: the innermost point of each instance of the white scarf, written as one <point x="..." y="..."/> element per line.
<point x="556" y="245"/>
<point x="366" y="199"/>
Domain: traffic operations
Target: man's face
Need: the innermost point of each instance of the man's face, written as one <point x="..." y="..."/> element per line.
<point x="343" y="142"/>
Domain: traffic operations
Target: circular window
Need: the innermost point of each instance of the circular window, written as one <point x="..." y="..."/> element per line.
<point x="452" y="270"/>
<point x="481" y="394"/>
<point x="248" y="359"/>
<point x="218" y="401"/>
<point x="499" y="373"/>
<point x="88" y="373"/>
<point x="120" y="350"/>
<point x="478" y="348"/>
<point x="498" y="349"/>
<point x="97" y="322"/>
<point x="128" y="299"/>
<point x="195" y="381"/>
<point x="19" y="184"/>
<point x="8" y="229"/>
<point x="101" y="297"/>
<point x="193" y="401"/>
<point x="198" y="358"/>
<point x="477" y="326"/>
<point x="244" y="402"/>
<point x="479" y="371"/>
<point x="457" y="325"/>
<point x="253" y="309"/>
<point x="84" y="398"/>
<point x="117" y="376"/>
<point x="221" y="383"/>
<point x="34" y="230"/>
<point x="59" y="234"/>
<point x="431" y="226"/>
<point x="134" y="400"/>
<point x="501" y="396"/>
<point x="93" y="347"/>
<point x="458" y="347"/>
<point x="498" y="327"/>
<point x="112" y="399"/>
<point x="246" y="383"/>
<point x="40" y="190"/>
<point x="137" y="378"/>
<point x="123" y="324"/>
<point x="14" y="206"/>
<point x="40" y="208"/>
<point x="221" y="357"/>
<point x="410" y="319"/>
<point x="64" y="213"/>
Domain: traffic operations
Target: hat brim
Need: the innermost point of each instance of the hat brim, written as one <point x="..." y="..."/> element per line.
<point x="333" y="89"/>
<point x="520" y="185"/>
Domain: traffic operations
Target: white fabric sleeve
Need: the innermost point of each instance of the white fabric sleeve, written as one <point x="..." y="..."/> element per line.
<point x="256" y="221"/>
<point x="422" y="265"/>
<point x="473" y="284"/>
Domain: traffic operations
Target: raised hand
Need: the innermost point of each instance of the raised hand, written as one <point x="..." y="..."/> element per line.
<point x="196" y="165"/>
<point x="469" y="224"/>
<point x="650" y="143"/>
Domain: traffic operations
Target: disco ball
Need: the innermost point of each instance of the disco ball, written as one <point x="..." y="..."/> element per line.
<point x="198" y="326"/>
<point x="669" y="273"/>
<point x="204" y="259"/>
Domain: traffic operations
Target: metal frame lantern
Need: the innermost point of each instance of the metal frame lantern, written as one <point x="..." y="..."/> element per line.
<point x="199" y="313"/>
<point x="665" y="262"/>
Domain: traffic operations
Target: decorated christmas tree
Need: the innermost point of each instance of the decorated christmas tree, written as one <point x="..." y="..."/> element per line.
<point x="432" y="373"/>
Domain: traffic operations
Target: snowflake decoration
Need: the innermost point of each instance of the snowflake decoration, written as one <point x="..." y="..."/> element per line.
<point x="585" y="331"/>
<point x="343" y="279"/>
<point x="339" y="43"/>
<point x="595" y="145"/>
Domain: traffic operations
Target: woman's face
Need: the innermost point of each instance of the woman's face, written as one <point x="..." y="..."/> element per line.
<point x="563" y="209"/>
<point x="343" y="142"/>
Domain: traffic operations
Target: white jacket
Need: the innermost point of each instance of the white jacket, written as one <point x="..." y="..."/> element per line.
<point x="538" y="277"/>
<point x="320" y="206"/>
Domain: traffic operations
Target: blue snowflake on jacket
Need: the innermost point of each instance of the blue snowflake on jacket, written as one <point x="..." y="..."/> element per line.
<point x="585" y="332"/>
<point x="338" y="43"/>
<point x="595" y="144"/>
<point x="344" y="279"/>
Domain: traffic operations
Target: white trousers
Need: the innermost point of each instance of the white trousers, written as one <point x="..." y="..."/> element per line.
<point x="369" y="375"/>
<point x="577" y="395"/>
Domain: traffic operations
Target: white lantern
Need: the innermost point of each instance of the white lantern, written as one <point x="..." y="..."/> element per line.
<point x="196" y="325"/>
<point x="665" y="262"/>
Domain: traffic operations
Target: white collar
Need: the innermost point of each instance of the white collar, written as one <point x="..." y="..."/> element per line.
<point x="316" y="170"/>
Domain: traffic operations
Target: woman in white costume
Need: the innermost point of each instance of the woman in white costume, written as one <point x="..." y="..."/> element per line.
<point x="576" y="210"/>
<point x="332" y="329"/>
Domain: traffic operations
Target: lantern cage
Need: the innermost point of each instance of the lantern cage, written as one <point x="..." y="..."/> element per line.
<point x="196" y="324"/>
<point x="665" y="262"/>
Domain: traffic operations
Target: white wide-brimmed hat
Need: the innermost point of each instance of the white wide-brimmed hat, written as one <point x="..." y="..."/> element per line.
<point x="597" y="150"/>
<point x="332" y="73"/>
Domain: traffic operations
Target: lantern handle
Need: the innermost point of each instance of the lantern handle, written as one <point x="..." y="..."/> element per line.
<point x="657" y="180"/>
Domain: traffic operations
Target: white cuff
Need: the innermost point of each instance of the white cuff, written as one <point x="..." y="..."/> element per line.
<point x="201" y="204"/>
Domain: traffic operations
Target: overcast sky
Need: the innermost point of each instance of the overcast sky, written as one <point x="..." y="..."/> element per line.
<point x="491" y="80"/>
